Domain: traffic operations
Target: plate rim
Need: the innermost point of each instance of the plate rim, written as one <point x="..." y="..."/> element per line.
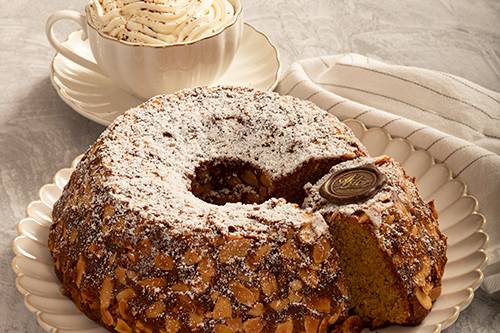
<point x="435" y="327"/>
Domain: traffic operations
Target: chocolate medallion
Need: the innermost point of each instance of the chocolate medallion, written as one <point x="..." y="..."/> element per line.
<point x="353" y="185"/>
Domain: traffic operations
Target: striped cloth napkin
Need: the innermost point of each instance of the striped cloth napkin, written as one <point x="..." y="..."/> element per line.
<point x="455" y="120"/>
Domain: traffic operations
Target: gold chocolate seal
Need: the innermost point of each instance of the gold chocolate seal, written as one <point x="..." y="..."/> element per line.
<point x="353" y="185"/>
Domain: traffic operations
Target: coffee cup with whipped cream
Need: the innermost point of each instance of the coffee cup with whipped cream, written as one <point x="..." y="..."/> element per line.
<point x="151" y="47"/>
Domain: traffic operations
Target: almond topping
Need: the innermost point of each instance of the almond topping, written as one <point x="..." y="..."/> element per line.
<point x="286" y="327"/>
<point x="257" y="310"/>
<point x="363" y="218"/>
<point x="206" y="269"/>
<point x="222" y="308"/>
<point x="320" y="304"/>
<point x="155" y="310"/>
<point x="164" y="262"/>
<point x="219" y="328"/>
<point x="195" y="319"/>
<point x="268" y="284"/>
<point x="122" y="327"/>
<point x="254" y="325"/>
<point x="125" y="294"/>
<point x="309" y="277"/>
<point x="153" y="282"/>
<point x="121" y="275"/>
<point x="106" y="317"/>
<point x="296" y="285"/>
<point x="243" y="294"/>
<point x="108" y="210"/>
<point x="423" y="299"/>
<point x="191" y="257"/>
<point x="435" y="292"/>
<point x="389" y="219"/>
<point x="235" y="324"/>
<point x="311" y="324"/>
<point x="234" y="248"/>
<point x="279" y="304"/>
<point x="180" y="287"/>
<point x="307" y="234"/>
<point x="172" y="325"/>
<point x="106" y="292"/>
<point x="80" y="269"/>
<point x="321" y="251"/>
<point x="289" y="251"/>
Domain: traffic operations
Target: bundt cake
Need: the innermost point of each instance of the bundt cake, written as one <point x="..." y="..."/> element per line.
<point x="391" y="251"/>
<point x="184" y="217"/>
<point x="220" y="209"/>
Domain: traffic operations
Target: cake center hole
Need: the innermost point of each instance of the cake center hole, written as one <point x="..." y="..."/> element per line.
<point x="222" y="181"/>
<point x="233" y="180"/>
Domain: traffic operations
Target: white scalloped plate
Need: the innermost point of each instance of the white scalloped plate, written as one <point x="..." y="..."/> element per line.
<point x="256" y="64"/>
<point x="459" y="220"/>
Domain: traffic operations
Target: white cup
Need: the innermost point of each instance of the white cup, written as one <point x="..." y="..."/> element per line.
<point x="148" y="70"/>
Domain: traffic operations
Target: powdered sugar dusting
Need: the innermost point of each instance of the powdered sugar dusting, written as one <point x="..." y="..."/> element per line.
<point x="151" y="153"/>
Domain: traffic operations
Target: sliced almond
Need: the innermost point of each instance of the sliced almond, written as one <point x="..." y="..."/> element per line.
<point x="106" y="292"/>
<point x="320" y="304"/>
<point x="121" y="275"/>
<point x="279" y="304"/>
<point x="220" y="328"/>
<point x="206" y="269"/>
<point x="243" y="294"/>
<point x="122" y="327"/>
<point x="307" y="234"/>
<point x="235" y="324"/>
<point x="164" y="262"/>
<point x="363" y="218"/>
<point x="296" y="285"/>
<point x="321" y="251"/>
<point x="289" y="251"/>
<point x="234" y="248"/>
<point x="311" y="324"/>
<point x="254" y="325"/>
<point x="106" y="317"/>
<point x="257" y="310"/>
<point x="389" y="219"/>
<point x="180" y="287"/>
<point x="435" y="292"/>
<point x="153" y="282"/>
<point x="222" y="308"/>
<point x="309" y="277"/>
<point x="260" y="253"/>
<point x="80" y="270"/>
<point x="268" y="284"/>
<point x="172" y="325"/>
<point x="107" y="211"/>
<point x="195" y="319"/>
<point x="155" y="310"/>
<point x="423" y="299"/>
<point x="125" y="294"/>
<point x="191" y="257"/>
<point x="286" y="327"/>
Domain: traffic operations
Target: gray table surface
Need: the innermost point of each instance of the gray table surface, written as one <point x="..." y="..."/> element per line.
<point x="39" y="134"/>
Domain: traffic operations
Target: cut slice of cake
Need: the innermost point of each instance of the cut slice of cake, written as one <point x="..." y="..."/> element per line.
<point x="390" y="246"/>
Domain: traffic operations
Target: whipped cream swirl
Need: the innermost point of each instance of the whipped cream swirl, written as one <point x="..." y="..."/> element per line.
<point x="160" y="21"/>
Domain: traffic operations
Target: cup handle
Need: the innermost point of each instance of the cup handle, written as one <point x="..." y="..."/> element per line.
<point x="60" y="47"/>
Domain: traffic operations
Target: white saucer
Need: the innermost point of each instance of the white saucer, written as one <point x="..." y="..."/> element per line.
<point x="95" y="97"/>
